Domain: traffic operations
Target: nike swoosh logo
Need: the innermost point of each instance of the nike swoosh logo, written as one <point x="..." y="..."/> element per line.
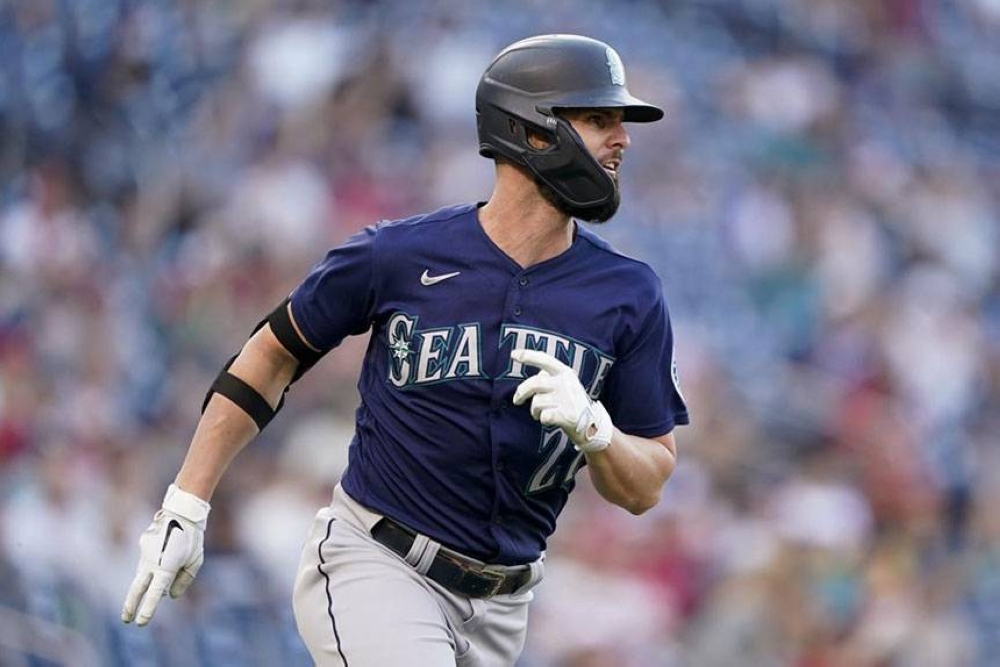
<point x="174" y="523"/>
<point x="427" y="279"/>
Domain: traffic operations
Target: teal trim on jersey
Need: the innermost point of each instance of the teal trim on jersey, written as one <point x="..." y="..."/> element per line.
<point x="438" y="338"/>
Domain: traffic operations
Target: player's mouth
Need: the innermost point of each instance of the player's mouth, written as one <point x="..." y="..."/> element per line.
<point x="612" y="166"/>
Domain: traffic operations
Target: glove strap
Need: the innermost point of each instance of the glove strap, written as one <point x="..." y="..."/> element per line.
<point x="186" y="505"/>
<point x="596" y="419"/>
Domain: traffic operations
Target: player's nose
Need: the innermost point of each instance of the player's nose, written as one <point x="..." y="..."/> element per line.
<point x="619" y="137"/>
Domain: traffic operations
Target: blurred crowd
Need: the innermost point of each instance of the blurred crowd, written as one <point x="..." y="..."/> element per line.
<point x="822" y="202"/>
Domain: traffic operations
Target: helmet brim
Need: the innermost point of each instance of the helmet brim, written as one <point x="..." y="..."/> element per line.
<point x="636" y="110"/>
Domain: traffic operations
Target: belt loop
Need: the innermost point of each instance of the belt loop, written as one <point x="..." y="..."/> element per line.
<point x="423" y="564"/>
<point x="537" y="569"/>
<point x="417" y="549"/>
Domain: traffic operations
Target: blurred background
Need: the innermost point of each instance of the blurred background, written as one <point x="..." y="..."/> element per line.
<point x="822" y="203"/>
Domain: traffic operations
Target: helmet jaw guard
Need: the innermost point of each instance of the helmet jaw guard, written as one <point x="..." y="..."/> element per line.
<point x="570" y="170"/>
<point x="527" y="84"/>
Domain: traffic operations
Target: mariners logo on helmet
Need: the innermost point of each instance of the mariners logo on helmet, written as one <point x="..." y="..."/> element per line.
<point x="615" y="66"/>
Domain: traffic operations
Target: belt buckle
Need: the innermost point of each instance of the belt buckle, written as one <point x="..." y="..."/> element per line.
<point x="495" y="580"/>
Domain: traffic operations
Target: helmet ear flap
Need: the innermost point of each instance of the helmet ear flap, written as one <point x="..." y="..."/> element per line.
<point x="500" y="133"/>
<point x="504" y="133"/>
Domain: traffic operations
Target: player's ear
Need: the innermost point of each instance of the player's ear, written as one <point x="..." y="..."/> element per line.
<point x="536" y="139"/>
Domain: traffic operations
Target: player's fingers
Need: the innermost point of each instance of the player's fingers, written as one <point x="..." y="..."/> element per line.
<point x="181" y="583"/>
<point x="185" y="578"/>
<point x="538" y="359"/>
<point x="540" y="382"/>
<point x="549" y="417"/>
<point x="139" y="585"/>
<point x="541" y="402"/>
<point x="157" y="588"/>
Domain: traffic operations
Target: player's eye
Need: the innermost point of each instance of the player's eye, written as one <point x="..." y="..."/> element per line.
<point x="598" y="120"/>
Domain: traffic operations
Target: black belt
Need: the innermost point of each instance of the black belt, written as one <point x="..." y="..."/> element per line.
<point x="451" y="571"/>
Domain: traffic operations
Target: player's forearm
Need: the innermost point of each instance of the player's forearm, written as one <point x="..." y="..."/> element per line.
<point x="632" y="471"/>
<point x="224" y="428"/>
<point x="223" y="431"/>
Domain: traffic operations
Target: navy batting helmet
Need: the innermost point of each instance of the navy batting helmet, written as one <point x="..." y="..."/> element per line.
<point x="528" y="83"/>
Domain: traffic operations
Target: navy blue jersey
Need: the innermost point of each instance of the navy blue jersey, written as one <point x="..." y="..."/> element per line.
<point x="439" y="445"/>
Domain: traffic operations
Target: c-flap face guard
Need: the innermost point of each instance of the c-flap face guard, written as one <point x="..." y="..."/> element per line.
<point x="568" y="167"/>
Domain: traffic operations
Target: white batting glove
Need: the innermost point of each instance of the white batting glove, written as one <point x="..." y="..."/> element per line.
<point x="558" y="399"/>
<point x="171" y="552"/>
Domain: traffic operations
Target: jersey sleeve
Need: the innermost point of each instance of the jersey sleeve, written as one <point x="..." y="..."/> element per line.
<point x="337" y="298"/>
<point x="642" y="393"/>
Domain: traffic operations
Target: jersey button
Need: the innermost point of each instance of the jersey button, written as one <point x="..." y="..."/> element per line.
<point x="523" y="281"/>
<point x="517" y="310"/>
<point x="501" y="466"/>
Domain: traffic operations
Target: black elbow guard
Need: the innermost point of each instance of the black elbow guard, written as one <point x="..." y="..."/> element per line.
<point x="284" y="331"/>
<point x="246" y="397"/>
<point x="243" y="395"/>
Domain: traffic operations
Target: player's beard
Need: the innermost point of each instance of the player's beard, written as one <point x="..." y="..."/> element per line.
<point x="595" y="214"/>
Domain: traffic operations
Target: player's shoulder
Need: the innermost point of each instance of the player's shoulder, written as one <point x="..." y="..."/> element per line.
<point x="634" y="271"/>
<point x="422" y="221"/>
<point x="419" y="234"/>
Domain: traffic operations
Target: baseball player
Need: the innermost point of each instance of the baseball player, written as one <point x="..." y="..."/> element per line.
<point x="510" y="346"/>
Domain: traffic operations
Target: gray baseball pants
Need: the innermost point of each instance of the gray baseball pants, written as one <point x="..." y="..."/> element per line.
<point x="358" y="604"/>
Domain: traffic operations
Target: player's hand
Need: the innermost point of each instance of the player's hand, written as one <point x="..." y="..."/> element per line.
<point x="171" y="551"/>
<point x="558" y="399"/>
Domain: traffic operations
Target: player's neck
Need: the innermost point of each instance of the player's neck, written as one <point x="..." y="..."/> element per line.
<point x="519" y="220"/>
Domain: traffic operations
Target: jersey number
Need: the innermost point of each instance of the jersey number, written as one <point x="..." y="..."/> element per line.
<point x="556" y="468"/>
